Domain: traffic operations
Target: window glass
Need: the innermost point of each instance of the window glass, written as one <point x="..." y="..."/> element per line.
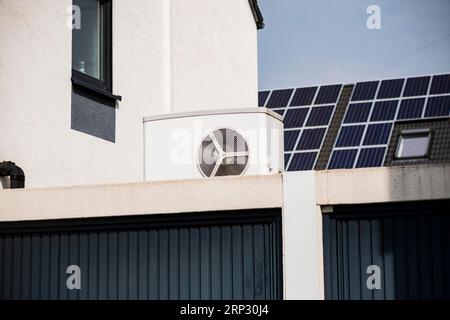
<point x="86" y="47"/>
<point x="413" y="145"/>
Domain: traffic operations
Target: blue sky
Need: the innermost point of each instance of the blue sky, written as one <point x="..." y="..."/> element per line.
<point x="327" y="41"/>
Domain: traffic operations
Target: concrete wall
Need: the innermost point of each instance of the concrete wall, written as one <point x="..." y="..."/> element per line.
<point x="302" y="238"/>
<point x="182" y="196"/>
<point x="168" y="56"/>
<point x="378" y="185"/>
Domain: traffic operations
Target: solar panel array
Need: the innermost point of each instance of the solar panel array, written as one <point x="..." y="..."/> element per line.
<point x="375" y="107"/>
<point x="307" y="113"/>
<point x="366" y="129"/>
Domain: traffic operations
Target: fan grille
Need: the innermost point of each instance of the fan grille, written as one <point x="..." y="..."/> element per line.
<point x="223" y="152"/>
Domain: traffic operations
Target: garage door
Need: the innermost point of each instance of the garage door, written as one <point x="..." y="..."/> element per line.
<point x="392" y="251"/>
<point x="187" y="256"/>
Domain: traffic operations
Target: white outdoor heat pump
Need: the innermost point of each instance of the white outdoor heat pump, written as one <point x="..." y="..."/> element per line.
<point x="215" y="143"/>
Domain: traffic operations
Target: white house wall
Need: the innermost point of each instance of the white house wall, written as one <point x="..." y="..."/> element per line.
<point x="212" y="65"/>
<point x="214" y="55"/>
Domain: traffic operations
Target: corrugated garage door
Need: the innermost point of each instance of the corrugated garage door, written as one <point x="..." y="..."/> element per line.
<point x="409" y="243"/>
<point x="212" y="256"/>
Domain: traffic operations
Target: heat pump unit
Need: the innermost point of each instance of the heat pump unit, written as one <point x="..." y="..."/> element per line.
<point x="213" y="143"/>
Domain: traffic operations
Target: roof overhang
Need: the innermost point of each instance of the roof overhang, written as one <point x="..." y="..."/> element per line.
<point x="257" y="15"/>
<point x="143" y="198"/>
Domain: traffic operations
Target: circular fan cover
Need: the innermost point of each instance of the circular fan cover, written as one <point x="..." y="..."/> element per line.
<point x="223" y="152"/>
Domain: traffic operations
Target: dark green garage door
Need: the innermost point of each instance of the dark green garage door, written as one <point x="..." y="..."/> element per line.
<point x="392" y="251"/>
<point x="213" y="256"/>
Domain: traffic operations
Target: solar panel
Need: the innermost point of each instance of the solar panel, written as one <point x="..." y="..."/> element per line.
<point x="411" y="109"/>
<point x="343" y="159"/>
<point x="290" y="139"/>
<point x="384" y="110"/>
<point x="303" y="96"/>
<point x="350" y="136"/>
<point x="320" y="116"/>
<point x="416" y="86"/>
<point x="262" y="98"/>
<point x="371" y="157"/>
<point x="365" y="91"/>
<point x="280" y="111"/>
<point x="440" y="84"/>
<point x="311" y="139"/>
<point x="303" y="161"/>
<point x="295" y="118"/>
<point x="357" y="112"/>
<point x="279" y="98"/>
<point x="328" y="94"/>
<point x="377" y="134"/>
<point x="390" y="89"/>
<point x="438" y="107"/>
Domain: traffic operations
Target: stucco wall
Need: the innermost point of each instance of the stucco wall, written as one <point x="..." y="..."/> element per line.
<point x="214" y="55"/>
<point x="35" y="85"/>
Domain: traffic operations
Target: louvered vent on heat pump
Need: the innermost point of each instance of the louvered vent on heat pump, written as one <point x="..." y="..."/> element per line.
<point x="223" y="152"/>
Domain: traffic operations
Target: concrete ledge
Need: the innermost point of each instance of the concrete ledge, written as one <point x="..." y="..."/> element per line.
<point x="229" y="193"/>
<point x="387" y="184"/>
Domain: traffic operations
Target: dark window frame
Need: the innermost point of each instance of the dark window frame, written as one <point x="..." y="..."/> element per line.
<point x="104" y="86"/>
<point x="414" y="133"/>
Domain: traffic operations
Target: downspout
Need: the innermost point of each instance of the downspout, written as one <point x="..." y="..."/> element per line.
<point x="15" y="174"/>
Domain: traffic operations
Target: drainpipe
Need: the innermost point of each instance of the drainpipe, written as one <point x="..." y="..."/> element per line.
<point x="15" y="174"/>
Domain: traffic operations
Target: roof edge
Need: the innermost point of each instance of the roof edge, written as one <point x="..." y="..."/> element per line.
<point x="257" y="15"/>
<point x="213" y="113"/>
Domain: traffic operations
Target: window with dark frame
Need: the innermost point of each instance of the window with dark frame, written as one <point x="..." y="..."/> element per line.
<point x="413" y="144"/>
<point x="92" y="47"/>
